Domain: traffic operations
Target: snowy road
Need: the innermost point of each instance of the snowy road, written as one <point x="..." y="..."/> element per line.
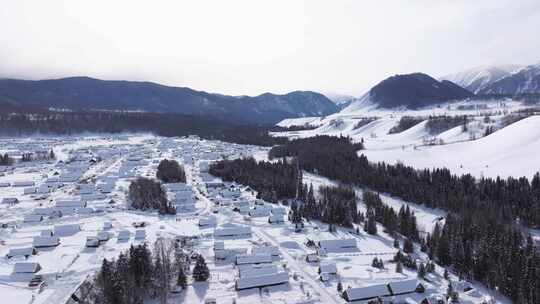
<point x="326" y="297"/>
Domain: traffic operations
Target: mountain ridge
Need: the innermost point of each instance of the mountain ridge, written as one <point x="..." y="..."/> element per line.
<point x="82" y="92"/>
<point x="523" y="81"/>
<point x="477" y="78"/>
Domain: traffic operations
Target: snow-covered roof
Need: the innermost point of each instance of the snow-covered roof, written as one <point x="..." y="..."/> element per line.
<point x="260" y="281"/>
<point x="32" y="218"/>
<point x="70" y="204"/>
<point x="207" y="221"/>
<point x="45" y="241"/>
<point x="259" y="212"/>
<point x="93" y="197"/>
<point x="10" y="200"/>
<point x="29" y="190"/>
<point x="46" y="232"/>
<point x="22" y="184"/>
<point x="276" y="218"/>
<point x="402" y="287"/>
<point x="123" y="234"/>
<point x="219" y="245"/>
<point x="44" y="211"/>
<point x="86" y="210"/>
<point x="103" y="235"/>
<point x="65" y="230"/>
<point x="279" y="211"/>
<point x="241" y="203"/>
<point x="312" y="257"/>
<point x="251" y="270"/>
<point x="26" y="267"/>
<point x="25" y="251"/>
<point x="176" y="187"/>
<point x="328" y="268"/>
<point x="271" y="250"/>
<point x="184" y="194"/>
<point x="367" y="292"/>
<point x="140" y="234"/>
<point x="232" y="231"/>
<point x="253" y="259"/>
<point x="330" y="245"/>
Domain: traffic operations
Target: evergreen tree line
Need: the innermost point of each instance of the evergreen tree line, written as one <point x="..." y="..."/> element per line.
<point x="507" y="200"/>
<point x="475" y="247"/>
<point x="40" y="156"/>
<point x="293" y="128"/>
<point x="140" y="274"/>
<point x="336" y="205"/>
<point x="25" y="122"/>
<point x="170" y="171"/>
<point x="439" y="124"/>
<point x="405" y="122"/>
<point x="403" y="222"/>
<point x="273" y="181"/>
<point x="5" y="160"/>
<point x="363" y="121"/>
<point x="145" y="194"/>
<point x="280" y="180"/>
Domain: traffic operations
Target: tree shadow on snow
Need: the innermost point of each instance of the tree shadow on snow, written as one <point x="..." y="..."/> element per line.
<point x="200" y="289"/>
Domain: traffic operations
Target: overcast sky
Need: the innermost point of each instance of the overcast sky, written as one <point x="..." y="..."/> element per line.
<point x="250" y="47"/>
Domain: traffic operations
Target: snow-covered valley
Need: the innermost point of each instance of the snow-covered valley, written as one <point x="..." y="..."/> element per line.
<point x="107" y="164"/>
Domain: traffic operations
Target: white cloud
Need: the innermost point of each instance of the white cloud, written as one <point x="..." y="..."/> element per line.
<point x="249" y="47"/>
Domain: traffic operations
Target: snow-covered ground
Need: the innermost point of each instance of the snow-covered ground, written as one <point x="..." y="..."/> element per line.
<point x="511" y="151"/>
<point x="503" y="153"/>
<point x="104" y="159"/>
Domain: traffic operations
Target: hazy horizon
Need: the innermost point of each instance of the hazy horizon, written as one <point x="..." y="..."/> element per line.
<point x="250" y="47"/>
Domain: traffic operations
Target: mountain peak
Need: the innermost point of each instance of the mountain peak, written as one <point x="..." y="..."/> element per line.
<point x="414" y="91"/>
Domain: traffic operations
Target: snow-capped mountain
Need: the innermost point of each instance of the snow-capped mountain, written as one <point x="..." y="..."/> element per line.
<point x="478" y="78"/>
<point x="523" y="81"/>
<point x="409" y="91"/>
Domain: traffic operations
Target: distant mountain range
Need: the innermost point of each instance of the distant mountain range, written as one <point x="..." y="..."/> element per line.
<point x="83" y="93"/>
<point x="418" y="90"/>
<point x="523" y="81"/>
<point x="410" y="91"/>
<point x="509" y="80"/>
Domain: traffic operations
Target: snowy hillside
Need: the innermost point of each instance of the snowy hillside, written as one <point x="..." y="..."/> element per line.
<point x="451" y="147"/>
<point x="511" y="151"/>
<point x="362" y="103"/>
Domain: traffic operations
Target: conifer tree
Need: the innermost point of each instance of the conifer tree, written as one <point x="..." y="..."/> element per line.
<point x="182" y="278"/>
<point x="408" y="246"/>
<point x="421" y="270"/>
<point x="200" y="271"/>
<point x="399" y="267"/>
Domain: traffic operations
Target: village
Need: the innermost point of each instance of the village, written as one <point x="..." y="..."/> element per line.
<point x="63" y="209"/>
